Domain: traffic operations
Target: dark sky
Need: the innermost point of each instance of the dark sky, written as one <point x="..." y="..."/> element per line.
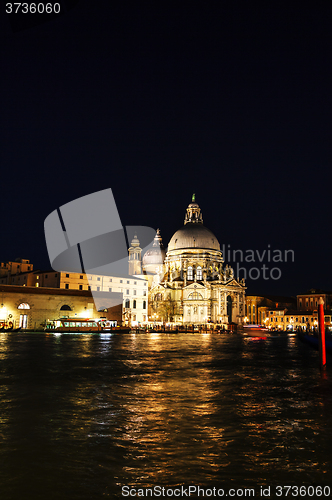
<point x="158" y="101"/>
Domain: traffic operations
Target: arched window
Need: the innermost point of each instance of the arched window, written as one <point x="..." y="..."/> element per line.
<point x="144" y="304"/>
<point x="65" y="307"/>
<point x="127" y="303"/>
<point x="199" y="273"/>
<point x="24" y="305"/>
<point x="190" y="273"/>
<point x="134" y="304"/>
<point x="229" y="308"/>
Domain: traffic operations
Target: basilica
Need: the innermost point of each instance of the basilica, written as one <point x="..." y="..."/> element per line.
<point x="188" y="283"/>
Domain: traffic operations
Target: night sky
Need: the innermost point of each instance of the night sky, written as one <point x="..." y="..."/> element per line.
<point x="157" y="101"/>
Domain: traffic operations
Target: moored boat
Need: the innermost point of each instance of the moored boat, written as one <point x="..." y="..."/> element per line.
<point x="10" y="329"/>
<point x="76" y="325"/>
<point x="314" y="341"/>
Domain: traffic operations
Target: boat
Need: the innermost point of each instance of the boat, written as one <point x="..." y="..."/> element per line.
<point x="76" y="325"/>
<point x="314" y="341"/>
<point x="10" y="329"/>
<point x="256" y="331"/>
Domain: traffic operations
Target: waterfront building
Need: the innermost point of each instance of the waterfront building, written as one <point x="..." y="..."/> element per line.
<point x="33" y="307"/>
<point x="191" y="286"/>
<point x="258" y="307"/>
<point x="292" y="319"/>
<point x="134" y="290"/>
<point x="281" y="313"/>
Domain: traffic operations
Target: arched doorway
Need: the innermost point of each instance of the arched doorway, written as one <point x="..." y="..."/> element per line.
<point x="64" y="311"/>
<point x="229" y="309"/>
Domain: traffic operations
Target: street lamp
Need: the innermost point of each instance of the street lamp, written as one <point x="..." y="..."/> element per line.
<point x="3" y="313"/>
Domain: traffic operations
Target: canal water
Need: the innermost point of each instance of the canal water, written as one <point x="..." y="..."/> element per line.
<point x="83" y="416"/>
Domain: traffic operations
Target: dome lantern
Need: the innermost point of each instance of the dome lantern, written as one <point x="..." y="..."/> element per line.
<point x="193" y="234"/>
<point x="193" y="212"/>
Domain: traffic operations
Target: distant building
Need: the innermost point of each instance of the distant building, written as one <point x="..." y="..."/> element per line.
<point x="288" y="319"/>
<point x="281" y="313"/>
<point x="258" y="307"/>
<point x="309" y="301"/>
<point x="8" y="269"/>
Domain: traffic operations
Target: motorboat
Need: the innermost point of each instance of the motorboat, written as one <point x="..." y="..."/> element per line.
<point x="256" y="331"/>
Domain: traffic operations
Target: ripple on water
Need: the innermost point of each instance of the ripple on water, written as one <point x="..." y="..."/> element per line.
<point x="82" y="415"/>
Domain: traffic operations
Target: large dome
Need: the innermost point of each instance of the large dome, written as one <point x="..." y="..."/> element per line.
<point x="193" y="235"/>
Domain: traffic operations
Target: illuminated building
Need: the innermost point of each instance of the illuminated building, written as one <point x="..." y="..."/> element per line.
<point x="258" y="307"/>
<point x="32" y="307"/>
<point x="191" y="285"/>
<point x="134" y="290"/>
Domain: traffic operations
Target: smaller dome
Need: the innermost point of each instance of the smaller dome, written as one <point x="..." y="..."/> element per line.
<point x="156" y="255"/>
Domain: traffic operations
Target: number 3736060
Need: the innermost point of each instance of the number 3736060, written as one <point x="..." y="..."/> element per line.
<point x="301" y="491"/>
<point x="32" y="8"/>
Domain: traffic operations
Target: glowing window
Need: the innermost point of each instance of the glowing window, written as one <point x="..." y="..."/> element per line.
<point x="199" y="273"/>
<point x="24" y="305"/>
<point x="190" y="273"/>
<point x="195" y="296"/>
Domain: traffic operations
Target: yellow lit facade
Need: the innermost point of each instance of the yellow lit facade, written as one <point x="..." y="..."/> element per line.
<point x="33" y="307"/>
<point x="191" y="286"/>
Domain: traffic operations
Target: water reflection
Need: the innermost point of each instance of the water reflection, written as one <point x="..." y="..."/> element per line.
<point x="101" y="411"/>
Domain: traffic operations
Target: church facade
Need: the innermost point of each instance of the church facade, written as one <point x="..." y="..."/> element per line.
<point x="188" y="283"/>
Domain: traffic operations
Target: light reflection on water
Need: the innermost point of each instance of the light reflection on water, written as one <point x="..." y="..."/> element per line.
<point x="82" y="415"/>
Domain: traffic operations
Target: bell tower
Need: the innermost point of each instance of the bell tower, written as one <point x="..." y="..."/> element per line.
<point x="135" y="257"/>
